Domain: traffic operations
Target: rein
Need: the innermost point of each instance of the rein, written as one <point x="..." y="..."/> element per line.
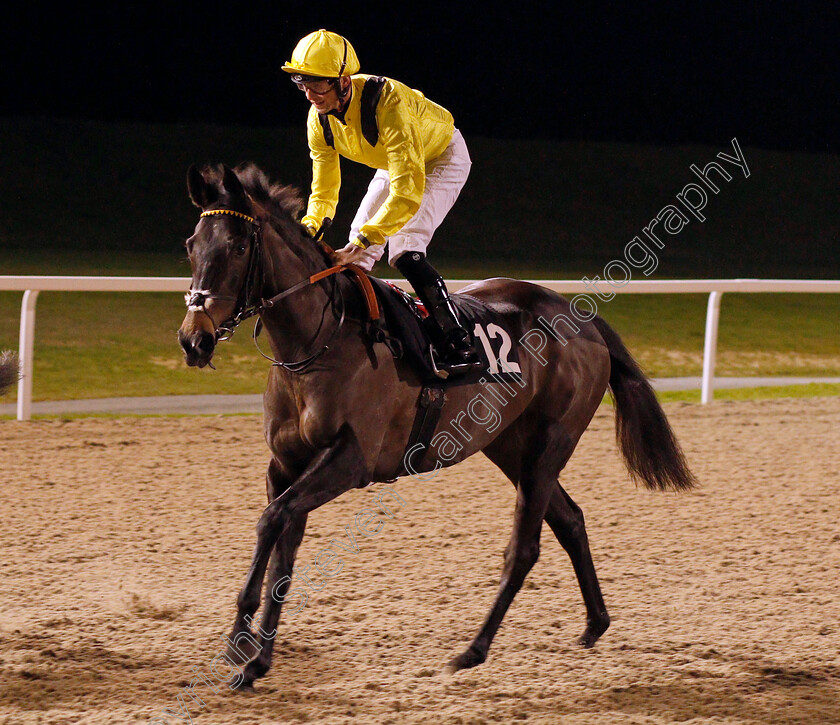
<point x="250" y="302"/>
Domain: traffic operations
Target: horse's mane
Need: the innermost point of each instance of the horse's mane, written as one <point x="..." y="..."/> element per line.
<point x="285" y="206"/>
<point x="281" y="201"/>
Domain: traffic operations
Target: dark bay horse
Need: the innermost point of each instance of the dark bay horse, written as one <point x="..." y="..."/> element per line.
<point x="339" y="409"/>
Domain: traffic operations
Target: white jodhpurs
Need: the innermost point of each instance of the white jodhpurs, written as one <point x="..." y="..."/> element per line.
<point x="445" y="177"/>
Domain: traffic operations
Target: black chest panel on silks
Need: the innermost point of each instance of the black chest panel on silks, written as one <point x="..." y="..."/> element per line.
<point x="368" y="102"/>
<point x="404" y="320"/>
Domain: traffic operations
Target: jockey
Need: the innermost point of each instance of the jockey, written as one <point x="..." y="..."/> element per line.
<point x="421" y="161"/>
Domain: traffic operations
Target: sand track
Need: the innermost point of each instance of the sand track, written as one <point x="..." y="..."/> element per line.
<point x="124" y="543"/>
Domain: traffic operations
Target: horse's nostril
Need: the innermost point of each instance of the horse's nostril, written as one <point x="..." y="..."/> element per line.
<point x="198" y="347"/>
<point x="206" y="343"/>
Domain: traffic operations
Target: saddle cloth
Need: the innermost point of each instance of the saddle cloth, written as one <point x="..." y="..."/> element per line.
<point x="403" y="327"/>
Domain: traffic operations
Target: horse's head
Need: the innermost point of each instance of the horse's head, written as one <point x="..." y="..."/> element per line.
<point x="223" y="254"/>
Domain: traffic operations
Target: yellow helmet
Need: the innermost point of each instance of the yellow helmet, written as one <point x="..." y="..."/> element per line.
<point x="323" y="54"/>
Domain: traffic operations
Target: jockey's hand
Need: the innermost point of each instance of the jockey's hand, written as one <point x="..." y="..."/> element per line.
<point x="351" y="254"/>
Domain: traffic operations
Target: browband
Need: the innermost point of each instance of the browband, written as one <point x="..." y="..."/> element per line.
<point x="231" y="212"/>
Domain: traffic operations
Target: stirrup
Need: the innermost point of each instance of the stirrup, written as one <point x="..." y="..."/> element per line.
<point x="444" y="369"/>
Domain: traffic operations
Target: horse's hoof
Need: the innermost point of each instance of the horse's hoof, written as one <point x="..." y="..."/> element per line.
<point x="254" y="670"/>
<point x="244" y="681"/>
<point x="464" y="661"/>
<point x="594" y="630"/>
<point x="239" y="684"/>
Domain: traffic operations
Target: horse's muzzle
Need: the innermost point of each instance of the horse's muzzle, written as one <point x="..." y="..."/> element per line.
<point x="198" y="347"/>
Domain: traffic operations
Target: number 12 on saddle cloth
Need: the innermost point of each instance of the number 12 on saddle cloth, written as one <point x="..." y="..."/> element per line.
<point x="403" y="317"/>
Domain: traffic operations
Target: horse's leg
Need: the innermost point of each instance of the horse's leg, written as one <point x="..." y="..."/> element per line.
<point x="541" y="461"/>
<point x="566" y="520"/>
<point x="280" y="566"/>
<point x="335" y="469"/>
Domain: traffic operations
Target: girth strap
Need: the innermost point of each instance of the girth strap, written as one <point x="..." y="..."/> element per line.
<point x="429" y="407"/>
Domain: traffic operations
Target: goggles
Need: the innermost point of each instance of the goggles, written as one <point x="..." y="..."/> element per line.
<point x="318" y="86"/>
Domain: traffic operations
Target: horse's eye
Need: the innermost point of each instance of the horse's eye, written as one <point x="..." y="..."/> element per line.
<point x="241" y="248"/>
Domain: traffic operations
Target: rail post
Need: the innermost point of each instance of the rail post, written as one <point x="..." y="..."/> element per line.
<point x="707" y="392"/>
<point x="26" y="351"/>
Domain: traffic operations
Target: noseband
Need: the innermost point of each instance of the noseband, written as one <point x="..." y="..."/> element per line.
<point x="250" y="301"/>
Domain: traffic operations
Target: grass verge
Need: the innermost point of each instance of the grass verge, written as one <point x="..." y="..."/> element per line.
<point x="91" y="345"/>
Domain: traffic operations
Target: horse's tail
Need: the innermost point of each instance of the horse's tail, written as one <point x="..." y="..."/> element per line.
<point x="648" y="444"/>
<point x="8" y="370"/>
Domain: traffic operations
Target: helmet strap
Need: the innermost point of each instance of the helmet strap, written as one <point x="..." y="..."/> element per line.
<point x="342" y="93"/>
<point x="344" y="59"/>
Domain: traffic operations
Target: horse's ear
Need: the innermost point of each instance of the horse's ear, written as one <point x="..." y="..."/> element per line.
<point x="201" y="193"/>
<point x="231" y="183"/>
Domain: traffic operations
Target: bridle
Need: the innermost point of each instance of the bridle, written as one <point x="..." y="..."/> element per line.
<point x="246" y="302"/>
<point x="250" y="302"/>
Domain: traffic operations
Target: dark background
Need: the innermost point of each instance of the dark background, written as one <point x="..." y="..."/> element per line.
<point x="582" y="120"/>
<point x="676" y="72"/>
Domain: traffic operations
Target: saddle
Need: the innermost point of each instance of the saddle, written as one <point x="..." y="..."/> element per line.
<point x="404" y="327"/>
<point x="403" y="324"/>
<point x="398" y="320"/>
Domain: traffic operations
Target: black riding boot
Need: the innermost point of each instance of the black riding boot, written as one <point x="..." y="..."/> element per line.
<point x="452" y="341"/>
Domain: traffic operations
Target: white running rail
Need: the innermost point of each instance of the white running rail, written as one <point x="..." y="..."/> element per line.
<point x="715" y="288"/>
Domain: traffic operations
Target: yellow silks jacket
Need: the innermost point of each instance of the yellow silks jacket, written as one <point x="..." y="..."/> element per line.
<point x="386" y="125"/>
